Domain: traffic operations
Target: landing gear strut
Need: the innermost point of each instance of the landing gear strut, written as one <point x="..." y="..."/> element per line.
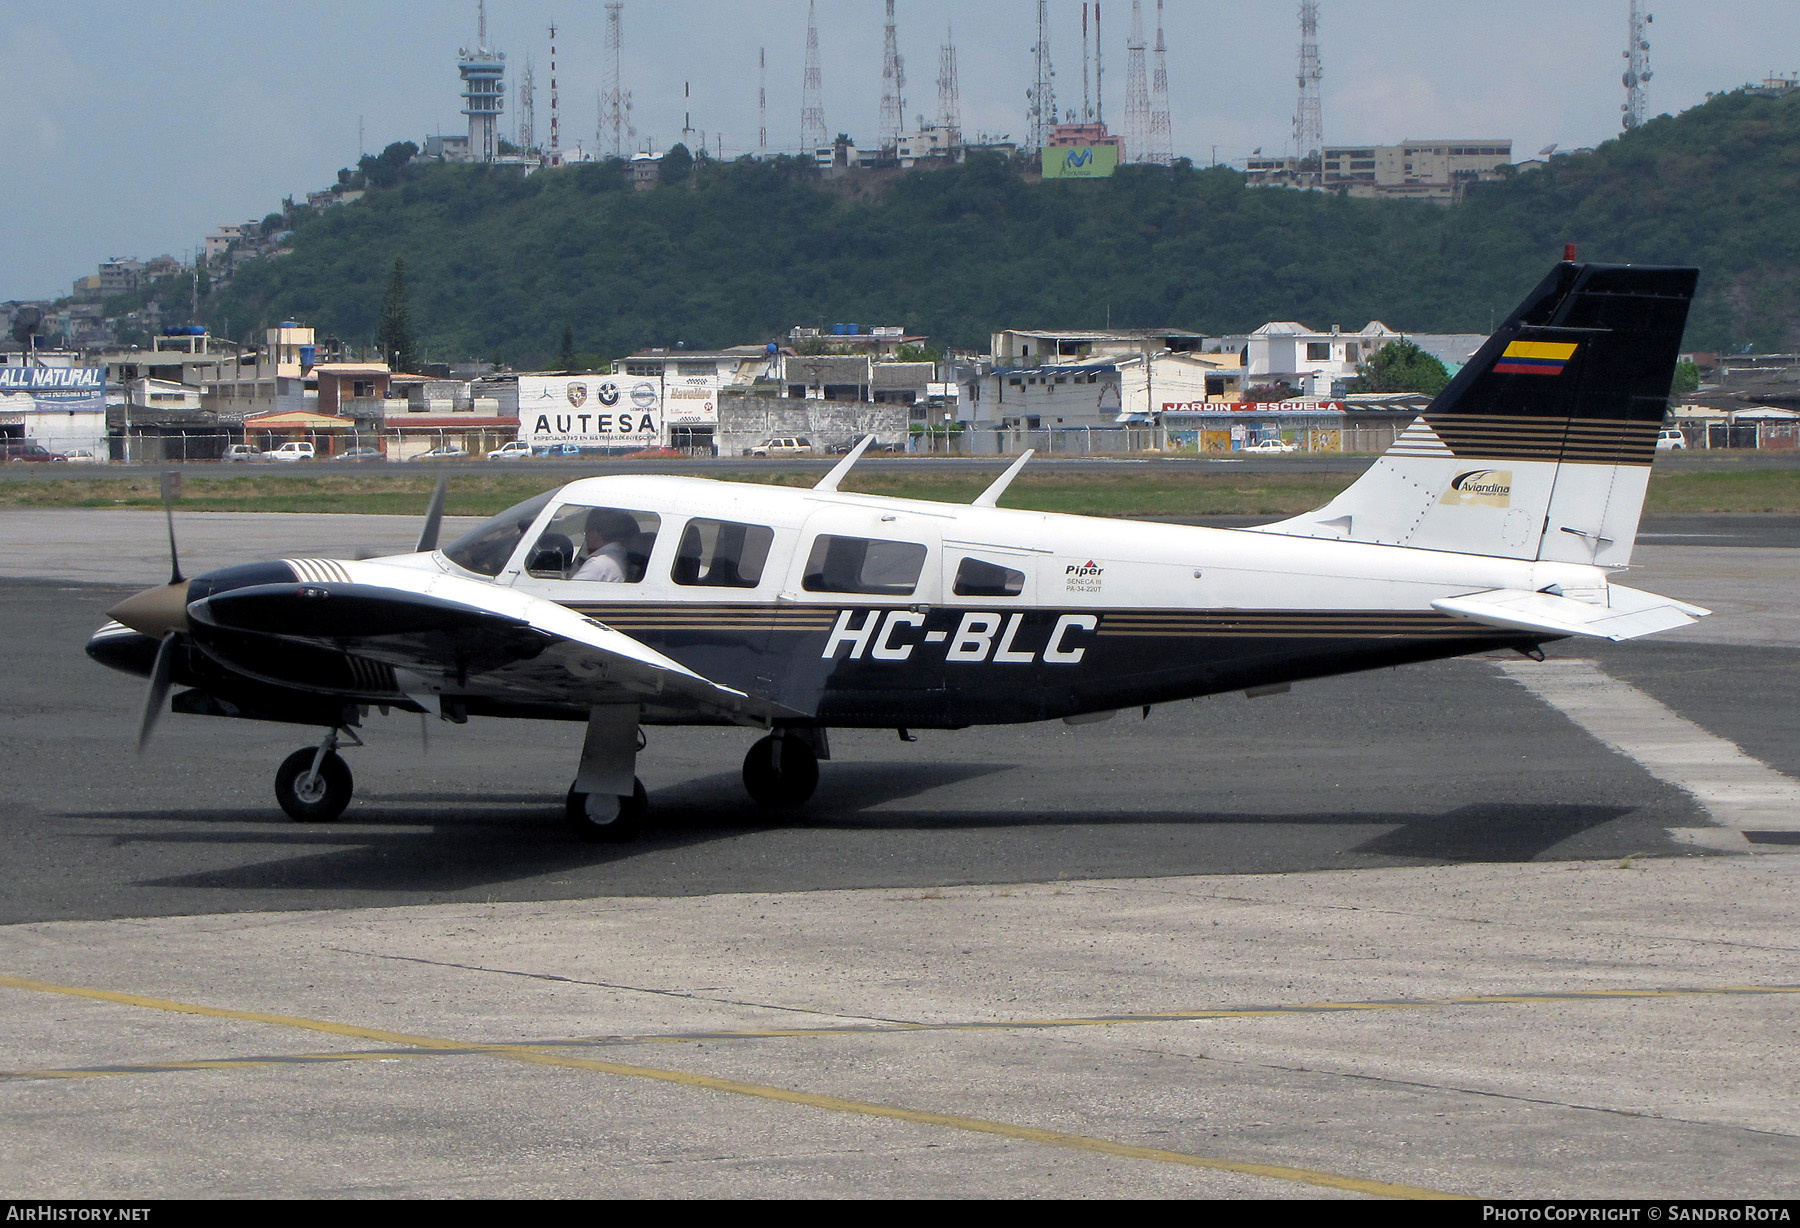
<point x="313" y="784"/>
<point x="781" y="770"/>
<point x="604" y="818"/>
<point x="607" y="803"/>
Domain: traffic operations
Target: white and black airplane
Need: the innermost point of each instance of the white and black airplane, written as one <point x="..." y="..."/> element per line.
<point x="1495" y="521"/>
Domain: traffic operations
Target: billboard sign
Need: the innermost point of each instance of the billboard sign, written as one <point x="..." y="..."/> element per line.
<point x="590" y="411"/>
<point x="1080" y="161"/>
<point x="24" y="389"/>
<point x="691" y="400"/>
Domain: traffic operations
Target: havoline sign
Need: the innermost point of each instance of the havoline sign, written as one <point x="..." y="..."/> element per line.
<point x="1080" y="161"/>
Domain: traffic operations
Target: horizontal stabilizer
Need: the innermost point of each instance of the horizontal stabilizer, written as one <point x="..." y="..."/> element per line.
<point x="1627" y="614"/>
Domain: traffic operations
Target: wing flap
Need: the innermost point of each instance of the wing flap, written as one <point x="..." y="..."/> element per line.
<point x="1627" y="614"/>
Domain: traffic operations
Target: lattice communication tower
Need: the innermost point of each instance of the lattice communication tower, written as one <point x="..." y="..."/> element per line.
<point x="1040" y="116"/>
<point x="1161" y="149"/>
<point x="893" y="82"/>
<point x="615" y="132"/>
<point x="1137" y="91"/>
<point x="1309" y="124"/>
<point x="812" y="110"/>
<point x="1637" y="69"/>
<point x="949" y="116"/>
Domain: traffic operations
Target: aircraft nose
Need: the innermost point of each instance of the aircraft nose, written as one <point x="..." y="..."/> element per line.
<point x="155" y="611"/>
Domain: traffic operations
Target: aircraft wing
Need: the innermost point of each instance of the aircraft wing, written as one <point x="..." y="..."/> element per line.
<point x="469" y="638"/>
<point x="1627" y="614"/>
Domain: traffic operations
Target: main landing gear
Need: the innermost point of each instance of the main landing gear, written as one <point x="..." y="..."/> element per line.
<point x="314" y="784"/>
<point x="782" y="770"/>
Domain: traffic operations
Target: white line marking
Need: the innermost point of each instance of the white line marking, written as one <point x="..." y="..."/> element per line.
<point x="1740" y="792"/>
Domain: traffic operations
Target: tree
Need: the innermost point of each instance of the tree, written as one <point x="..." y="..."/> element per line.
<point x="566" y="360"/>
<point x="1687" y="379"/>
<point x="1278" y="390"/>
<point x="395" y="330"/>
<point x="1401" y="366"/>
<point x="675" y="165"/>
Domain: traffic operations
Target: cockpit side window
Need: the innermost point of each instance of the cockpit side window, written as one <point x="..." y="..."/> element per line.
<point x="599" y="544"/>
<point x="722" y="554"/>
<point x="485" y="548"/>
<point x="863" y="565"/>
<point x="975" y="578"/>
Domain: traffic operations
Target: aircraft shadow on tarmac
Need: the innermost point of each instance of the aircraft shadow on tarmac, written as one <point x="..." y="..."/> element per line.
<point x="437" y="843"/>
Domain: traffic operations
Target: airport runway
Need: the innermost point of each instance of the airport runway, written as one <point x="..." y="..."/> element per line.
<point x="1482" y="927"/>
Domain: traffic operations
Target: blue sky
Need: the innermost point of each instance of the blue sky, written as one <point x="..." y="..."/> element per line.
<point x="137" y="128"/>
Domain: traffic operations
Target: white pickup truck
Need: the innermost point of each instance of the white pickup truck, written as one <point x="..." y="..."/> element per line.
<point x="291" y="451"/>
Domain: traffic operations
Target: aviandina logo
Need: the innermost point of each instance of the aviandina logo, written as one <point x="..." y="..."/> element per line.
<point x="1480" y="487"/>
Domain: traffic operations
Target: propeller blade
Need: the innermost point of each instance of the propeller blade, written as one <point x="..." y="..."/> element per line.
<point x="171" y="487"/>
<point x="159" y="688"/>
<point x="434" y="516"/>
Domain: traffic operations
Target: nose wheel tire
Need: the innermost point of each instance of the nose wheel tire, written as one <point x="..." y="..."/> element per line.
<point x="313" y="797"/>
<point x="781" y="772"/>
<point x="601" y="818"/>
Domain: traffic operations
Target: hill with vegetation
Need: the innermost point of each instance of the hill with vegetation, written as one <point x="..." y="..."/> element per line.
<point x="500" y="265"/>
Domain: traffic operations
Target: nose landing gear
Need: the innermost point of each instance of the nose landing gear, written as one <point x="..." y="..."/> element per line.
<point x="314" y="784"/>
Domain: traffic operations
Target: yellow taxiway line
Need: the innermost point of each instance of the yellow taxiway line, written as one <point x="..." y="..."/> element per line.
<point x="816" y="1100"/>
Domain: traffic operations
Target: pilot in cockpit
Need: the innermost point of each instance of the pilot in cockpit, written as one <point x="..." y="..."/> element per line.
<point x="609" y="532"/>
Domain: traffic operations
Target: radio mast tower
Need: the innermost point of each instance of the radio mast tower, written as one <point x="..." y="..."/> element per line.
<point x="1309" y="126"/>
<point x="1137" y="91"/>
<point x="1087" y="99"/>
<point x="614" y="135"/>
<point x="1099" y="93"/>
<point x="949" y="115"/>
<point x="893" y="80"/>
<point x="555" y="139"/>
<point x="812" y="111"/>
<point x="1637" y="68"/>
<point x="762" y="102"/>
<point x="527" y="110"/>
<point x="1041" y="115"/>
<point x="1161" y="149"/>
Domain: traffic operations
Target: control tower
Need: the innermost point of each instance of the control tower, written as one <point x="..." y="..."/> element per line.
<point x="484" y="94"/>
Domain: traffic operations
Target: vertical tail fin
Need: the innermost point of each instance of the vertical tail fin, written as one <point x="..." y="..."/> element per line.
<point x="1540" y="448"/>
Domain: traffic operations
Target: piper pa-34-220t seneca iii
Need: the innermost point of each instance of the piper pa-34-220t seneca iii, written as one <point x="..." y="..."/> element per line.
<point x="1495" y="521"/>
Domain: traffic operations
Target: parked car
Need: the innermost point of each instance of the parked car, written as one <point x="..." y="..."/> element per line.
<point x="364" y="453"/>
<point x="1671" y="440"/>
<point x="518" y="449"/>
<point x="293" y="450"/>
<point x="81" y="456"/>
<point x="448" y="452"/>
<point x="27" y="450"/>
<point x="842" y="447"/>
<point x="1269" y="446"/>
<point x="242" y="452"/>
<point x="786" y="445"/>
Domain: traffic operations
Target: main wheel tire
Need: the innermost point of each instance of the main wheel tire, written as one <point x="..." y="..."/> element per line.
<point x="310" y="798"/>
<point x="624" y="823"/>
<point x="785" y="786"/>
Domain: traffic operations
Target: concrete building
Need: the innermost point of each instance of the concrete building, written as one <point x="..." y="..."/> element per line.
<point x="1439" y="171"/>
<point x="1103" y="391"/>
<point x="1025" y="347"/>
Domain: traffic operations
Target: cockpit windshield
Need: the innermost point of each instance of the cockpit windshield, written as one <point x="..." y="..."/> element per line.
<point x="485" y="548"/>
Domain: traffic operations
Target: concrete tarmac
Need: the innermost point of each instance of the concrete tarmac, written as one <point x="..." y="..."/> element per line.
<point x="1409" y="932"/>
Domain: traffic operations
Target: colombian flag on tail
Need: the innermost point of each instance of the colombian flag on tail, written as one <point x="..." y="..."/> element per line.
<point x="1535" y="358"/>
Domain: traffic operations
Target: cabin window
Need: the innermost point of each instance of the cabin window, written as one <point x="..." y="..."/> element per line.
<point x="722" y="554"/>
<point x="975" y="578"/>
<point x="596" y="544"/>
<point x="860" y="565"/>
<point x="485" y="548"/>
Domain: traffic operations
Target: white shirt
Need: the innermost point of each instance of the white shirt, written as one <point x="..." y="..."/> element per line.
<point x="606" y="564"/>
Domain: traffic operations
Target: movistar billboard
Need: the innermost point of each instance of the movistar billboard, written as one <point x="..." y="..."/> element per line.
<point x="1080" y="161"/>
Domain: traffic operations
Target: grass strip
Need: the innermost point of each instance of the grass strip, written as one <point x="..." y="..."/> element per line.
<point x="1126" y="493"/>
